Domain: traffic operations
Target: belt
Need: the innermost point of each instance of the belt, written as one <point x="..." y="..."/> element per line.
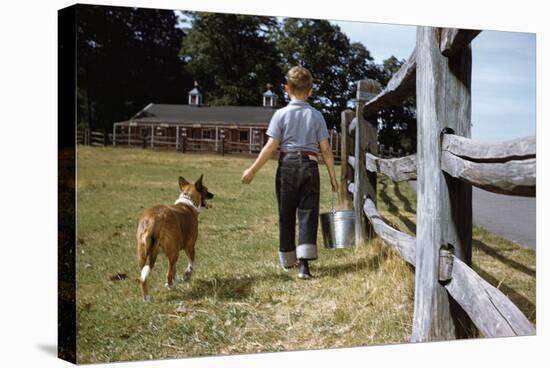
<point x="303" y="154"/>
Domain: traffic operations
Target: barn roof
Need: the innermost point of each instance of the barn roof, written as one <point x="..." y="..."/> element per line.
<point x="219" y="115"/>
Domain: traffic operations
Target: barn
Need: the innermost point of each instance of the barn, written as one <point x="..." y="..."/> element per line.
<point x="199" y="127"/>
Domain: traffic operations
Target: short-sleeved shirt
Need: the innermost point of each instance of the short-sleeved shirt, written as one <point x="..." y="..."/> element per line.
<point x="298" y="126"/>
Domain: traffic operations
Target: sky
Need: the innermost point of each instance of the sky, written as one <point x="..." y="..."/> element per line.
<point x="503" y="74"/>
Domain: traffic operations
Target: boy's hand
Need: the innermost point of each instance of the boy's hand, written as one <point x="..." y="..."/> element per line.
<point x="334" y="184"/>
<point x="248" y="176"/>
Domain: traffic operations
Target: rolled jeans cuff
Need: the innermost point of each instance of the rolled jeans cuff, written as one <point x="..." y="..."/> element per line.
<point x="287" y="259"/>
<point x="306" y="251"/>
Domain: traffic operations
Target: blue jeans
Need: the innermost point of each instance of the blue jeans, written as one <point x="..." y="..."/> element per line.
<point x="297" y="186"/>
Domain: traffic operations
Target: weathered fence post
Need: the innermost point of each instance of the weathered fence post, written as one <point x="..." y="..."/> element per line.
<point x="444" y="212"/>
<point x="346" y="174"/>
<point x="177" y="138"/>
<point x="366" y="140"/>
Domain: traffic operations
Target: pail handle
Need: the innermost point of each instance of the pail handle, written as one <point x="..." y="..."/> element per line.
<point x="332" y="203"/>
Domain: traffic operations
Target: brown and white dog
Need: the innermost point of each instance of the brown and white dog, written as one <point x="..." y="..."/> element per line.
<point x="169" y="229"/>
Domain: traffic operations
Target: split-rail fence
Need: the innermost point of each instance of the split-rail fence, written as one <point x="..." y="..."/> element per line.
<point x="449" y="295"/>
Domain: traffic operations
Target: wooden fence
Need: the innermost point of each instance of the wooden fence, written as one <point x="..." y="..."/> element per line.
<point x="132" y="135"/>
<point x="93" y="138"/>
<point x="449" y="295"/>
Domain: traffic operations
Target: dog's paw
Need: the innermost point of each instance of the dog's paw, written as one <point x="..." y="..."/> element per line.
<point x="168" y="286"/>
<point x="187" y="275"/>
<point x="147" y="299"/>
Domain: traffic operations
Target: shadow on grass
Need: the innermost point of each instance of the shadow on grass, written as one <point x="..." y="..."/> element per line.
<point x="220" y="288"/>
<point x="240" y="288"/>
<point x="519" y="300"/>
<point x="406" y="203"/>
<point x="507" y="261"/>
<point x="393" y="209"/>
<point x="226" y="288"/>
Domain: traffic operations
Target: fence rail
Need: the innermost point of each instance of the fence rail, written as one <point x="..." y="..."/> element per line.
<point x="491" y="311"/>
<point x="512" y="177"/>
<point x="185" y="138"/>
<point x="93" y="138"/>
<point x="516" y="149"/>
<point x="400" y="86"/>
<point x="398" y="169"/>
<point x="441" y="250"/>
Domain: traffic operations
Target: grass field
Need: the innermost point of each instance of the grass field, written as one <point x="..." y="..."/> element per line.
<point x="239" y="300"/>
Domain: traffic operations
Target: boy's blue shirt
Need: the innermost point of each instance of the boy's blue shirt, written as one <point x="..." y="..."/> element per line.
<point x="298" y="126"/>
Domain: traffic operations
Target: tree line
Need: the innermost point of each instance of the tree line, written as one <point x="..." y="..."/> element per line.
<point x="129" y="57"/>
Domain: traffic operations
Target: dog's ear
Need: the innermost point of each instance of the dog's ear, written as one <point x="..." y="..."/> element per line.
<point x="198" y="183"/>
<point x="182" y="182"/>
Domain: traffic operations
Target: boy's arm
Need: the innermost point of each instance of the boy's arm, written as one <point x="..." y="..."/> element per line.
<point x="266" y="153"/>
<point x="326" y="152"/>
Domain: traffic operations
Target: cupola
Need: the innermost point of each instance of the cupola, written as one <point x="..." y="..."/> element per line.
<point x="270" y="98"/>
<point x="195" y="96"/>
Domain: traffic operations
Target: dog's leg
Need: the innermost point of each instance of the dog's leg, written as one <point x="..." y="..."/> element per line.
<point x="190" y="258"/>
<point x="188" y="271"/>
<point x="171" y="272"/>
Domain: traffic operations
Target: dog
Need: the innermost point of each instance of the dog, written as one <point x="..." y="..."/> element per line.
<point x="169" y="229"/>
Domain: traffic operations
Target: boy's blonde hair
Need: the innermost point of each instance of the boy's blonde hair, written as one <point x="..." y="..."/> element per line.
<point x="299" y="80"/>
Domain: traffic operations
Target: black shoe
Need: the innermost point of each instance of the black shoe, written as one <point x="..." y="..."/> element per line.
<point x="304" y="273"/>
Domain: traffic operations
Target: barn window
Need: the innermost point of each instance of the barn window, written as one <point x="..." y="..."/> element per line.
<point x="207" y="134"/>
<point x="243" y="135"/>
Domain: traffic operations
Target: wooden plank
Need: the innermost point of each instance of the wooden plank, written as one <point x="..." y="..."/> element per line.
<point x="351" y="188"/>
<point x="514" y="177"/>
<point x="351" y="161"/>
<point x="490" y="310"/>
<point x="400" y="87"/>
<point x="366" y="140"/>
<point x="515" y="149"/>
<point x="346" y="172"/>
<point x="397" y="169"/>
<point x="403" y="243"/>
<point x="444" y="209"/>
<point x="454" y="39"/>
<point x="352" y="125"/>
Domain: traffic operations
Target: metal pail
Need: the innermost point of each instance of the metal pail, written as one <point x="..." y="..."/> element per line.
<point x="338" y="228"/>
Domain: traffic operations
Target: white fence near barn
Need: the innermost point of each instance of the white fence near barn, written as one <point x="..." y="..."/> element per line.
<point x="221" y="139"/>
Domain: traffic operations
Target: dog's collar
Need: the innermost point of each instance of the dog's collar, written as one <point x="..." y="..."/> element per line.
<point x="185" y="199"/>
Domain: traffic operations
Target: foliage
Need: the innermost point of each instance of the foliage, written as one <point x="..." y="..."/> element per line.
<point x="126" y="58"/>
<point x="232" y="57"/>
<point x="129" y="57"/>
<point x="396" y="124"/>
<point x="336" y="64"/>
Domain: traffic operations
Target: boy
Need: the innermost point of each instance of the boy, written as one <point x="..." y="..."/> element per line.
<point x="301" y="132"/>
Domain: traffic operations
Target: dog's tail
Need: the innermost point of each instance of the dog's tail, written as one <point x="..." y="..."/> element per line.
<point x="145" y="237"/>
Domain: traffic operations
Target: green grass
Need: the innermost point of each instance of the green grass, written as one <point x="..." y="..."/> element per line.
<point x="239" y="300"/>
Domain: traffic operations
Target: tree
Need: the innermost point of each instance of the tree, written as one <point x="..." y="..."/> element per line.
<point x="127" y="58"/>
<point x="232" y="57"/>
<point x="336" y="64"/>
<point x="397" y="124"/>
